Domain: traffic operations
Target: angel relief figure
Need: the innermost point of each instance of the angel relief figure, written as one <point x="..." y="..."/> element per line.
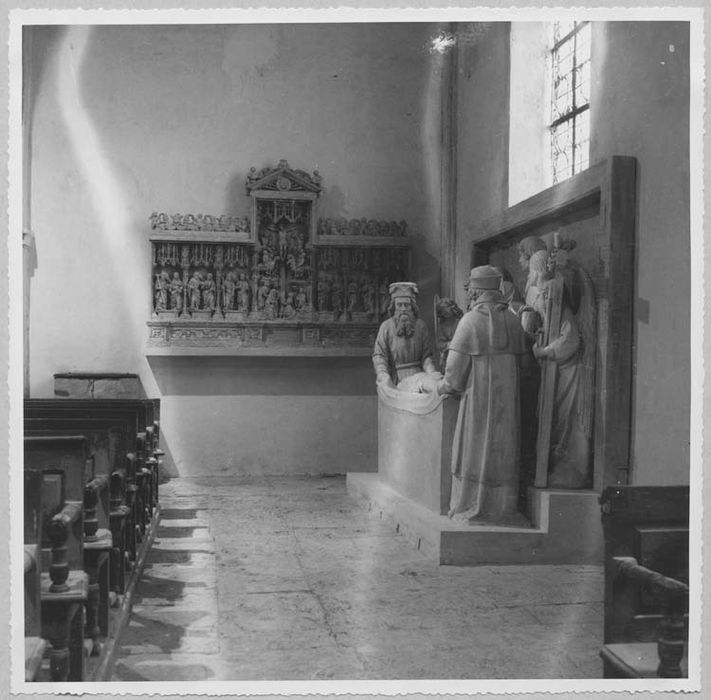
<point x="566" y="350"/>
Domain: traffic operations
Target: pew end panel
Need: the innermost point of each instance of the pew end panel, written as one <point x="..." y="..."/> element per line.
<point x="646" y="531"/>
<point x="64" y="594"/>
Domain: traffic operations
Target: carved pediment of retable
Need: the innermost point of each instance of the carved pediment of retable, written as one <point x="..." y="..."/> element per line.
<point x="282" y="178"/>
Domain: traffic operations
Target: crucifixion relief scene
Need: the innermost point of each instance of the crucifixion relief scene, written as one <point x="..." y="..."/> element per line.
<point x="356" y="351"/>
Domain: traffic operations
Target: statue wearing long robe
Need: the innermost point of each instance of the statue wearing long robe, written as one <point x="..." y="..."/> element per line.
<point x="483" y="366"/>
<point x="571" y="350"/>
<point x="400" y="356"/>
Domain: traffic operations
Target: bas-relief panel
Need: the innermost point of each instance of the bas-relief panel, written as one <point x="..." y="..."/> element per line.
<point x="544" y="397"/>
<point x="282" y="278"/>
<point x="569" y="252"/>
<point x="591" y="251"/>
<point x="596" y="210"/>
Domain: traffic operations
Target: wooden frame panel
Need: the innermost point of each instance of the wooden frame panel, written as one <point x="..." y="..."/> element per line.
<point x="605" y="193"/>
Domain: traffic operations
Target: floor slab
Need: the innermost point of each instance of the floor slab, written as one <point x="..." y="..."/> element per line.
<point x="291" y="579"/>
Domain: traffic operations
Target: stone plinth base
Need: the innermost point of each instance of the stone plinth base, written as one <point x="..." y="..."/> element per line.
<point x="566" y="528"/>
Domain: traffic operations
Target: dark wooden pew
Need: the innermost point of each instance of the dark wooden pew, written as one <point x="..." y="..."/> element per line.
<point x="35" y="645"/>
<point x="72" y="455"/>
<point x="109" y="440"/>
<point x="56" y="523"/>
<point x="144" y="413"/>
<point x="646" y="531"/>
<point x="147" y="410"/>
<point x="119" y="500"/>
<point x="136" y="413"/>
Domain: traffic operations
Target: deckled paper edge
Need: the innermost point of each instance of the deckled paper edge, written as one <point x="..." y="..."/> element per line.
<point x="700" y="402"/>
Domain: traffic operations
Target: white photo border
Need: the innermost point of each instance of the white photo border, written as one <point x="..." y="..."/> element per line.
<point x="21" y="17"/>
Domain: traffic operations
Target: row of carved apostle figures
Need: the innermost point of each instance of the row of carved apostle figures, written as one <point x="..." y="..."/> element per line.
<point x="352" y="295"/>
<point x="172" y="294"/>
<point x="235" y="293"/>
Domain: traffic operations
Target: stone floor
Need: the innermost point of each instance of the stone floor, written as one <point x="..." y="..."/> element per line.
<point x="289" y="579"/>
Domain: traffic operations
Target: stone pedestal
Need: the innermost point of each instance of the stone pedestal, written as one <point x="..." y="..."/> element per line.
<point x="566" y="529"/>
<point x="411" y="490"/>
<point x="415" y="433"/>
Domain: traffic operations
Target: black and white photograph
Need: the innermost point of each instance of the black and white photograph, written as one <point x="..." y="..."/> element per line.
<point x="355" y="350"/>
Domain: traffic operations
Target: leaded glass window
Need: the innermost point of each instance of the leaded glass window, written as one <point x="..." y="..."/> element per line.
<point x="570" y="98"/>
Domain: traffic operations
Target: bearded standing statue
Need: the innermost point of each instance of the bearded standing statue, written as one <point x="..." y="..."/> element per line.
<point x="403" y="347"/>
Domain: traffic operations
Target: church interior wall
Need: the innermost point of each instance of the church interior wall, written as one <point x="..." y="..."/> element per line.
<point x="482" y="137"/>
<point x="643" y="96"/>
<point x="640" y="108"/>
<point x="127" y="120"/>
<point x="130" y="120"/>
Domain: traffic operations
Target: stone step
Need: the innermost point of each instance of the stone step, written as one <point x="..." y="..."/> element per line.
<point x="559" y="518"/>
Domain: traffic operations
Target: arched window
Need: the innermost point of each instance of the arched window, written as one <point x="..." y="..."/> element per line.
<point x="570" y="98"/>
<point x="549" y="102"/>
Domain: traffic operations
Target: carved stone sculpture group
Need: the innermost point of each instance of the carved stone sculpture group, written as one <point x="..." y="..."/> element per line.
<point x="523" y="366"/>
<point x="273" y="280"/>
<point x="285" y="264"/>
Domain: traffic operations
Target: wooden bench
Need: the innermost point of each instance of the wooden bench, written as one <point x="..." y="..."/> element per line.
<point x="56" y="524"/>
<point x="140" y="415"/>
<point x="72" y="455"/>
<point x="143" y="414"/>
<point x="108" y="439"/>
<point x="35" y="645"/>
<point x="646" y="531"/>
<point x="102" y="457"/>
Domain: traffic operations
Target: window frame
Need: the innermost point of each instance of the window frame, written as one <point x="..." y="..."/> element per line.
<point x="572" y="115"/>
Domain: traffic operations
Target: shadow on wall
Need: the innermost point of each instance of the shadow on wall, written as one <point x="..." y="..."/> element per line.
<point x="39" y="45"/>
<point x="237" y="200"/>
<point x="426" y="273"/>
<point x="169" y="470"/>
<point x="332" y="203"/>
<point x="264" y="376"/>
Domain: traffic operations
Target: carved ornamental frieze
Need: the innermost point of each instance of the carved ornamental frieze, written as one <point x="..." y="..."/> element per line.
<point x="188" y="222"/>
<point x="281" y="279"/>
